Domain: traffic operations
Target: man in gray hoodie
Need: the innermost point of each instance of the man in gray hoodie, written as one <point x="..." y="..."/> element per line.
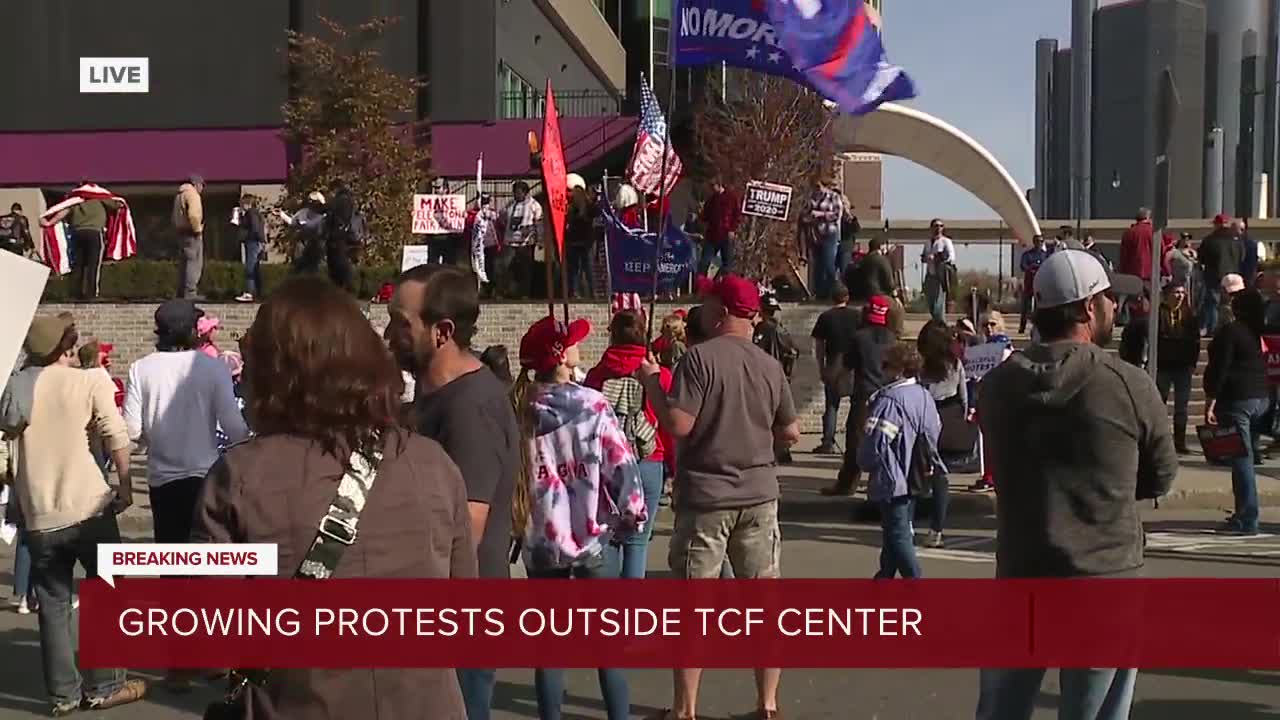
<point x="1076" y="437"/>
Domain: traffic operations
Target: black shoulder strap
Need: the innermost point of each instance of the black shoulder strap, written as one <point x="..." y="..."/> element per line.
<point x="337" y="530"/>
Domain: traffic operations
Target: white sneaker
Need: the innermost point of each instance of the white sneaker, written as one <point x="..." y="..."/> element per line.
<point x="75" y="602"/>
<point x="24" y="608"/>
<point x="935" y="540"/>
<point x="244" y="298"/>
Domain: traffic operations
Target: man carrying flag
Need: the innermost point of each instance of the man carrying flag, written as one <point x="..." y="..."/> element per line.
<point x="101" y="229"/>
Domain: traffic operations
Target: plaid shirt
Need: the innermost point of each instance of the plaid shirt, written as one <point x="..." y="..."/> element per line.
<point x="824" y="209"/>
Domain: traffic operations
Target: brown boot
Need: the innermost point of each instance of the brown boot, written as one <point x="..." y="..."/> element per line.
<point x="131" y="691"/>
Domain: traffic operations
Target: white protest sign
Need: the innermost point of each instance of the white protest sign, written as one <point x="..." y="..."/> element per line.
<point x="19" y="297"/>
<point x="982" y="359"/>
<point x="439" y="214"/>
<point x="414" y="255"/>
<point x="186" y="559"/>
<point x="767" y="200"/>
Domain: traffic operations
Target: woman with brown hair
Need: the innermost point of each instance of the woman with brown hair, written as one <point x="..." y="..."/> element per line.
<point x="323" y="397"/>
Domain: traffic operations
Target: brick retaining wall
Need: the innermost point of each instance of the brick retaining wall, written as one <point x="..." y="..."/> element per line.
<point x="129" y="328"/>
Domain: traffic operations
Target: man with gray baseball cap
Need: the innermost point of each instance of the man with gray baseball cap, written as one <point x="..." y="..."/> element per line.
<point x="1076" y="437"/>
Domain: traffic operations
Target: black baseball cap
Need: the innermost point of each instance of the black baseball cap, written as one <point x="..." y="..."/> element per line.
<point x="177" y="317"/>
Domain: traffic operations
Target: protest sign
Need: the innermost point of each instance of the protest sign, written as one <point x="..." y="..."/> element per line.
<point x="414" y="255"/>
<point x="1271" y="354"/>
<point x="767" y="200"/>
<point x="982" y="359"/>
<point x="439" y="214"/>
<point x="19" y="296"/>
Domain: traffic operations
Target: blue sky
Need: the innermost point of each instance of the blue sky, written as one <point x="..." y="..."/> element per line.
<point x="976" y="71"/>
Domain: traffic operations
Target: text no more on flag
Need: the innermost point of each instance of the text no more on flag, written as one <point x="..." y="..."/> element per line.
<point x="554" y="175"/>
<point x="829" y="45"/>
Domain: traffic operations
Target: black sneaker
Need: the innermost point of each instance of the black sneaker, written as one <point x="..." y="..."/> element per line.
<point x="1238" y="529"/>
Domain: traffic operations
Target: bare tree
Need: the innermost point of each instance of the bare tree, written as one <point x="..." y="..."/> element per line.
<point x="351" y="119"/>
<point x="774" y="130"/>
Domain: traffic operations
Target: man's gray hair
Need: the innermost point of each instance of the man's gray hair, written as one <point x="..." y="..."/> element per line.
<point x="1144" y="213"/>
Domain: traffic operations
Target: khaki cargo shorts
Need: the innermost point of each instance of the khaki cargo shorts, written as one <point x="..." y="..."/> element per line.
<point x="748" y="536"/>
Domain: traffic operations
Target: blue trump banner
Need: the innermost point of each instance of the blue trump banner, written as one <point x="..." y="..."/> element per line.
<point x="631" y="253"/>
<point x="829" y="45"/>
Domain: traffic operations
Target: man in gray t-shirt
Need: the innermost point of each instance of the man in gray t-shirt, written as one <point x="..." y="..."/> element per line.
<point x="729" y="401"/>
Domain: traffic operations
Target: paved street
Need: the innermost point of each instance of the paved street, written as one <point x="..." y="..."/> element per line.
<point x="821" y="541"/>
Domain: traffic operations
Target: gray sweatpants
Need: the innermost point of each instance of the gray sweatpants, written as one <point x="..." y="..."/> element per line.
<point x="190" y="264"/>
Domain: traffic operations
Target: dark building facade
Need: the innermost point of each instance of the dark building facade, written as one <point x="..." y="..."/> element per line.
<point x="219" y="78"/>
<point x="1133" y="43"/>
<point x="1053" y="130"/>
<point x="1241" y="98"/>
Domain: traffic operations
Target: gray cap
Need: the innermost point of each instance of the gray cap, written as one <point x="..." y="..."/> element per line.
<point x="195" y="179"/>
<point x="1070" y="276"/>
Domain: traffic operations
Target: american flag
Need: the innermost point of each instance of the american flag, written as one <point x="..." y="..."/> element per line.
<point x="645" y="170"/>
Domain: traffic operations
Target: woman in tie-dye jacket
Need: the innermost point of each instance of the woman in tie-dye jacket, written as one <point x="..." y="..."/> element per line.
<point x="580" y="487"/>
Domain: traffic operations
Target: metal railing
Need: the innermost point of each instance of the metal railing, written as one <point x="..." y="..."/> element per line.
<point x="569" y="103"/>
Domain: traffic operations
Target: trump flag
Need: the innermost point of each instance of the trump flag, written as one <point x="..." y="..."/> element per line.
<point x="829" y="45"/>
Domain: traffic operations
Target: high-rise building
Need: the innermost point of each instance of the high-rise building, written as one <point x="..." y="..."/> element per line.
<point x="1083" y="13"/>
<point x="1052" y="197"/>
<point x="1241" y="84"/>
<point x="1133" y="44"/>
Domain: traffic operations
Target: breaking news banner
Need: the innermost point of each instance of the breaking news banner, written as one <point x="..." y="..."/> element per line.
<point x="160" y="559"/>
<point x="341" y="623"/>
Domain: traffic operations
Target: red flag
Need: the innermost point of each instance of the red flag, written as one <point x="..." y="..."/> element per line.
<point x="553" y="172"/>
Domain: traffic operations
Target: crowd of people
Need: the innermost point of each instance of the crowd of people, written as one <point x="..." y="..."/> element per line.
<point x="537" y="460"/>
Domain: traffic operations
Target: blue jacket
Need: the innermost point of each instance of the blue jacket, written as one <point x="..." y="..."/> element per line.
<point x="898" y="416"/>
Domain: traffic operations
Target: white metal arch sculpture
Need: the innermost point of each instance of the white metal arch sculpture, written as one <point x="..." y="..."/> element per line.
<point x="929" y="141"/>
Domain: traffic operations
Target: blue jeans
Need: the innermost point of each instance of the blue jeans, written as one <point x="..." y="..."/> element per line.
<point x="844" y="256"/>
<point x="1245" y="416"/>
<point x="897" y="539"/>
<point x="1093" y="694"/>
<point x="477" y="691"/>
<point x="22" y="570"/>
<point x="722" y="250"/>
<point x="1209" y="307"/>
<point x="830" y="410"/>
<point x="252" y="271"/>
<point x="935" y="294"/>
<point x="54" y="555"/>
<point x="549" y="684"/>
<point x="635" y="549"/>
<point x="824" y="267"/>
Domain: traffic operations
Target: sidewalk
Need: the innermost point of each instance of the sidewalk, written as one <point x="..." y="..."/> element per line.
<point x="1200" y="486"/>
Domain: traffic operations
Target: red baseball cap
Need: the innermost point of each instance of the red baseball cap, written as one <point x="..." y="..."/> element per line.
<point x="1221" y="219"/>
<point x="545" y="343"/>
<point x="878" y="310"/>
<point x="740" y="296"/>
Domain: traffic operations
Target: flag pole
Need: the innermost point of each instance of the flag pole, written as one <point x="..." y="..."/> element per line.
<point x="662" y="191"/>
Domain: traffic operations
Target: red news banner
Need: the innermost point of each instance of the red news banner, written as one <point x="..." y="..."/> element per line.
<point x="257" y="622"/>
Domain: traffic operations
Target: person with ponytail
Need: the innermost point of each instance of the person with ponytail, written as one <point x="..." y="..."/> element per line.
<point x="579" y="488"/>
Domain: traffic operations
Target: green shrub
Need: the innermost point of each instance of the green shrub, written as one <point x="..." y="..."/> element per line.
<point x="154" y="280"/>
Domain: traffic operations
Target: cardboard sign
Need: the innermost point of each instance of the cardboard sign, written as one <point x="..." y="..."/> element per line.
<point x="982" y="359"/>
<point x="414" y="255"/>
<point x="767" y="200"/>
<point x="439" y="214"/>
<point x="554" y="175"/>
<point x="1271" y="354"/>
<point x="19" y="297"/>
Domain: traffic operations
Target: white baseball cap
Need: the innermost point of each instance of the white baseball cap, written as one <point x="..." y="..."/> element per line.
<point x="1070" y="276"/>
<point x="1232" y="283"/>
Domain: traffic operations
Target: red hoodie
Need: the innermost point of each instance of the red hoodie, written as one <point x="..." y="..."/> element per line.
<point x="622" y="361"/>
